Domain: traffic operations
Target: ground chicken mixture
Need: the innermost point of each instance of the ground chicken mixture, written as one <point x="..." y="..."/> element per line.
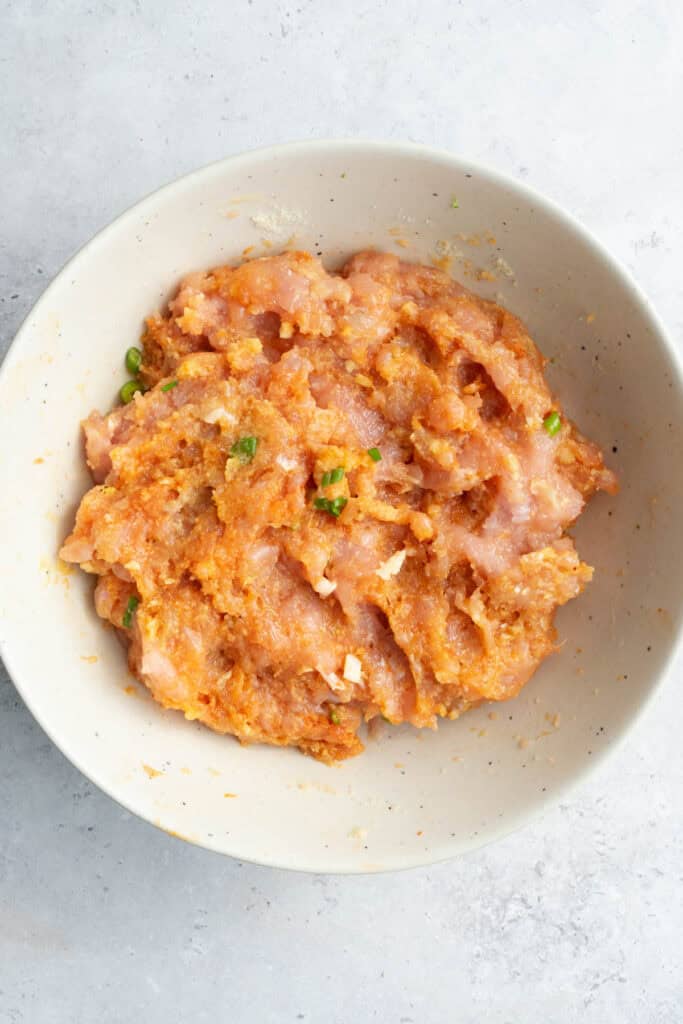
<point x="331" y="497"/>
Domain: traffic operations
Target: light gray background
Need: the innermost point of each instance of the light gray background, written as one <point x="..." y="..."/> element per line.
<point x="105" y="919"/>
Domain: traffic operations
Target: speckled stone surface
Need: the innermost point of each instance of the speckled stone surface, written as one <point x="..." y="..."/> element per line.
<point x="102" y="917"/>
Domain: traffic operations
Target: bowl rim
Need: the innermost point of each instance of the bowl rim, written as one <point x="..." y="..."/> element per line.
<point x="568" y="222"/>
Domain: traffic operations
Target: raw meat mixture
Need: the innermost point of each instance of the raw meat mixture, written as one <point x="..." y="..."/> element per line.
<point x="270" y="595"/>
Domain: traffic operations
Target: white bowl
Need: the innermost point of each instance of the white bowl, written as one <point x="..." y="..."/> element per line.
<point x="411" y="798"/>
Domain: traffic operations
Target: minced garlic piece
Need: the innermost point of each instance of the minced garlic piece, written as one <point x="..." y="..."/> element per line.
<point x="392" y="566"/>
<point x="284" y="463"/>
<point x="352" y="669"/>
<point x="333" y="681"/>
<point x="218" y="415"/>
<point x="324" y="587"/>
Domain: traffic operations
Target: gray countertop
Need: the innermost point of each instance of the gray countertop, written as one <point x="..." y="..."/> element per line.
<point x="103" y="918"/>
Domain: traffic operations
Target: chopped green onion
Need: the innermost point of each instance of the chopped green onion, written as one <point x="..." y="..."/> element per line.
<point x="244" y="449"/>
<point x="454" y="203"/>
<point x="129" y="389"/>
<point x="334" y="716"/>
<point x="375" y="454"/>
<point x="127" y="620"/>
<point x="133" y="360"/>
<point x="332" y="476"/>
<point x="334" y="506"/>
<point x="169" y="385"/>
<point x="552" y="423"/>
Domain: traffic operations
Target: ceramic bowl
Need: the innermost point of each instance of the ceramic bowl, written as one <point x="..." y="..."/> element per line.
<point x="412" y="797"/>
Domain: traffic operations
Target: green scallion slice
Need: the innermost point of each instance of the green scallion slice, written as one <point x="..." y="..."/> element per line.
<point x="337" y="505"/>
<point x="244" y="449"/>
<point x="127" y="619"/>
<point x="133" y="360"/>
<point x="336" y="475"/>
<point x="334" y="506"/>
<point x="552" y="423"/>
<point x="129" y="389"/>
<point x="375" y="454"/>
<point x="170" y="384"/>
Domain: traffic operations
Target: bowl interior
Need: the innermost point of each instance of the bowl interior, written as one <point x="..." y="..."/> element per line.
<point x="412" y="797"/>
